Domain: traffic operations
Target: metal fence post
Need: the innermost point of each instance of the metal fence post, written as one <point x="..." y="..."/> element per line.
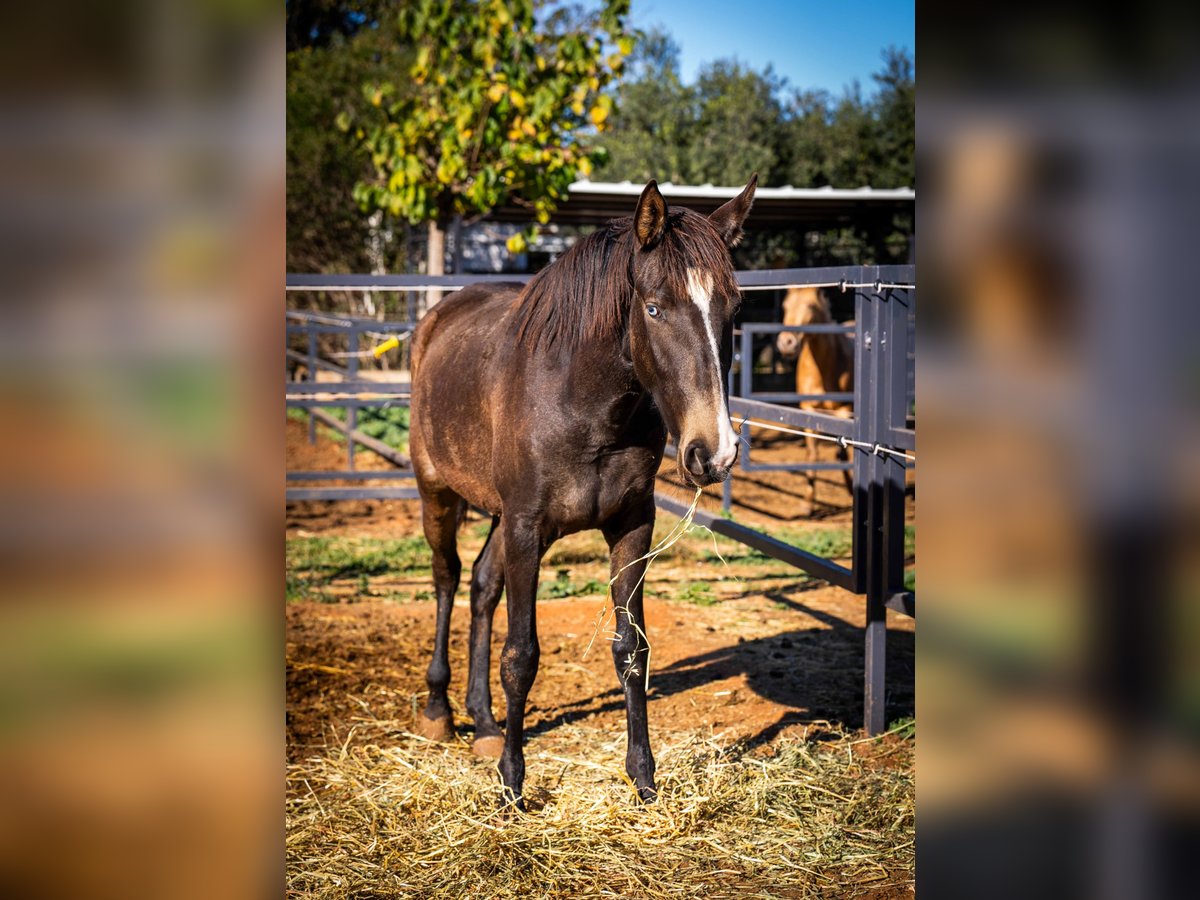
<point x="352" y="405"/>
<point x="312" y="376"/>
<point x="868" y="499"/>
<point x="727" y="485"/>
<point x="881" y="402"/>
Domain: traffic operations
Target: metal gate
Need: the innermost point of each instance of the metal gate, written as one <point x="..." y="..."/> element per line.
<point x="881" y="434"/>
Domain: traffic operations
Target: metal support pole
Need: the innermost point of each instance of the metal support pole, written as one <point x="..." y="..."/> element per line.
<point x="352" y="406"/>
<point x="747" y="381"/>
<point x="880" y="405"/>
<point x="868" y="492"/>
<point x="312" y="376"/>
<point x="727" y="487"/>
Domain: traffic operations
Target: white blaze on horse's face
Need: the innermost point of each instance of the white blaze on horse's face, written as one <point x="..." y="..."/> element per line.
<point x="699" y="287"/>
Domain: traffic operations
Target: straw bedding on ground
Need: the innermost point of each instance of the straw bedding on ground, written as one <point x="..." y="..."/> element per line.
<point x="387" y="814"/>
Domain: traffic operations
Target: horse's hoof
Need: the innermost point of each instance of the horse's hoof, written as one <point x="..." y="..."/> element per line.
<point x="491" y="746"/>
<point x="510" y="807"/>
<point x="436" y="729"/>
<point x="647" y="795"/>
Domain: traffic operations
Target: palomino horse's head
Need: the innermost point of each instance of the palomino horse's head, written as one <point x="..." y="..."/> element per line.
<point x="801" y="306"/>
<point x="681" y="324"/>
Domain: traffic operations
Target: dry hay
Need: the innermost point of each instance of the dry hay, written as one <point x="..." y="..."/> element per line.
<point x="388" y="814"/>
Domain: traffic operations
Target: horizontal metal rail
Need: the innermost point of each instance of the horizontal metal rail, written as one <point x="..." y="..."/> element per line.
<point x="902" y="602"/>
<point x="797" y="467"/>
<point x="292" y="495"/>
<point x="815" y="565"/>
<point x="351" y="475"/>
<point x="348" y="386"/>
<point x="793" y="418"/>
<point x="811" y="328"/>
<point x="316" y="361"/>
<point x="393" y="282"/>
<point x="787" y="397"/>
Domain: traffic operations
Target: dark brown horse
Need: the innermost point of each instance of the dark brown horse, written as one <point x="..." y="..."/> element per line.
<point x="549" y="407"/>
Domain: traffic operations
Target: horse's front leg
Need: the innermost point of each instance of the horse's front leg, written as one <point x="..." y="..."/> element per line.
<point x="519" y="660"/>
<point x="628" y="542"/>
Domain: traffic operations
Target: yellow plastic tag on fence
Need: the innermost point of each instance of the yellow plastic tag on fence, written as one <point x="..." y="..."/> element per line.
<point x="390" y="344"/>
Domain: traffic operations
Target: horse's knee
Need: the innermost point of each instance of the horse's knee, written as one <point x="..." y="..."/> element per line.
<point x="627" y="642"/>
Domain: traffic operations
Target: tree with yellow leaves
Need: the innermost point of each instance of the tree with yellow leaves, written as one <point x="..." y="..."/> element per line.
<point x="489" y="112"/>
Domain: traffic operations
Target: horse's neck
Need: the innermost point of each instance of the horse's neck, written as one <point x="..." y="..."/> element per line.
<point x="828" y="359"/>
<point x="600" y="378"/>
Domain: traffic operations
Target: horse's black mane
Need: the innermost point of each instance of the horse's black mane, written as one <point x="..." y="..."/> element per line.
<point x="586" y="293"/>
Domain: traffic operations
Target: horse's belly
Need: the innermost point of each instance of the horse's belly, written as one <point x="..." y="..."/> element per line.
<point x="461" y="463"/>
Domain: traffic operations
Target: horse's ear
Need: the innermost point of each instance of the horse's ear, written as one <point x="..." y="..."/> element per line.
<point x="650" y="219"/>
<point x="729" y="218"/>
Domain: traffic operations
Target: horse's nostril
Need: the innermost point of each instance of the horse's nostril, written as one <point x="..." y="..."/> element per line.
<point x="695" y="458"/>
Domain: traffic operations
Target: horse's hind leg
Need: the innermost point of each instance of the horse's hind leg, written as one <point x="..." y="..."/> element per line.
<point x="487" y="583"/>
<point x="440" y="511"/>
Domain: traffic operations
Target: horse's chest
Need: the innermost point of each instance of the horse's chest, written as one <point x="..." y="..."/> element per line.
<point x="591" y="493"/>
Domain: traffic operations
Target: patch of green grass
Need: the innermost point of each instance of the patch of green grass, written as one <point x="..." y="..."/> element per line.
<point x="905" y="727"/>
<point x="910" y="580"/>
<point x="698" y="592"/>
<point x="563" y="586"/>
<point x="578" y="549"/>
<point x="298" y="588"/>
<point x="385" y="423"/>
<point x="480" y="529"/>
<point x="315" y="562"/>
<point x="828" y="542"/>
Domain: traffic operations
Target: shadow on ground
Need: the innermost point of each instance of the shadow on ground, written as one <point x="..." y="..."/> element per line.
<point x="816" y="673"/>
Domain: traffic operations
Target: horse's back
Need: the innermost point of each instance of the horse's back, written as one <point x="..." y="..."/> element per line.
<point x="453" y="353"/>
<point x="472" y="313"/>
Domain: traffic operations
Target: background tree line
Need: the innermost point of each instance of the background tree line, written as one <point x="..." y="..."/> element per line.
<point x="641" y="121"/>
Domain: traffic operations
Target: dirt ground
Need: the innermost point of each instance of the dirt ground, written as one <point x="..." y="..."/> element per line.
<point x="748" y="648"/>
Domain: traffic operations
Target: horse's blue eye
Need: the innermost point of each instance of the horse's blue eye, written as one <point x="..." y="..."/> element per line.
<point x="652" y="311"/>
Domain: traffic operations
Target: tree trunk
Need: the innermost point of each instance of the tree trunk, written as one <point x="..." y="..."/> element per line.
<point x="436" y="259"/>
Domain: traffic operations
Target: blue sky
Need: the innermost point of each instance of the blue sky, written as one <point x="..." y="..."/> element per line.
<point x="812" y="44"/>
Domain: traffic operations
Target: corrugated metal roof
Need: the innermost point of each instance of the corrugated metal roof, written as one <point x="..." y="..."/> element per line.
<point x="595" y="202"/>
<point x="715" y="192"/>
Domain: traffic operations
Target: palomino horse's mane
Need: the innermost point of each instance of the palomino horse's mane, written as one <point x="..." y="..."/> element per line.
<point x="586" y="293"/>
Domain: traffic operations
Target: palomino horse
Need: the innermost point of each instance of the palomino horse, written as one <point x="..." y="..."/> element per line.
<point x="549" y="407"/>
<point x="824" y="364"/>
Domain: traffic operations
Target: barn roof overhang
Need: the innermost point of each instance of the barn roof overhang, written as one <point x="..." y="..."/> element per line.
<point x="595" y="202"/>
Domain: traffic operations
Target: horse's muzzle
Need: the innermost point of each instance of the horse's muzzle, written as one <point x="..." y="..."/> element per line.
<point x="700" y="468"/>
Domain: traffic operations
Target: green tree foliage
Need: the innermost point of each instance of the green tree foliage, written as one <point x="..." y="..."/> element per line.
<point x="326" y="231"/>
<point x="734" y="120"/>
<point x="896" y="120"/>
<point x="737" y="125"/>
<point x="652" y="122"/>
<point x="488" y="111"/>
